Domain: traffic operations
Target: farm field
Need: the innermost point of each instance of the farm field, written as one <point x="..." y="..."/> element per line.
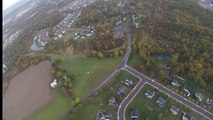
<point x="28" y="91"/>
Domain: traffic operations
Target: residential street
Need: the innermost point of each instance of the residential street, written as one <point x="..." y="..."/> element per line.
<point x="143" y="80"/>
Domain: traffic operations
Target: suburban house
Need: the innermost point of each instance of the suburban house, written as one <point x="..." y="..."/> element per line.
<point x="150" y="93"/>
<point x="175" y="109"/>
<point x="161" y="102"/>
<point x="175" y="83"/>
<point x="122" y="91"/>
<point x="187" y="91"/>
<point x="134" y="114"/>
<point x="130" y="82"/>
<point x="209" y="102"/>
<point x="199" y="96"/>
<point x="112" y="101"/>
<point x="103" y="115"/>
<point x="54" y="84"/>
<point x="187" y="116"/>
<point x="166" y="67"/>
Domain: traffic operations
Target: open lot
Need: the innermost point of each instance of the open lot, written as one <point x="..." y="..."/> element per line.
<point x="28" y="91"/>
<point x="58" y="106"/>
<point x="141" y="102"/>
<point x="88" y="110"/>
<point x="88" y="72"/>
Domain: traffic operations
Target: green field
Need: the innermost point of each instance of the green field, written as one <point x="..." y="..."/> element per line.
<point x="140" y="102"/>
<point x="54" y="109"/>
<point x="98" y="69"/>
<point x="88" y="72"/>
<point x="88" y="110"/>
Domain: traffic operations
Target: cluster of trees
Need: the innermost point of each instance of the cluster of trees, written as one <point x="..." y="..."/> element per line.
<point x="103" y="41"/>
<point x="64" y="80"/>
<point x="101" y="14"/>
<point x="24" y="61"/>
<point x="181" y="29"/>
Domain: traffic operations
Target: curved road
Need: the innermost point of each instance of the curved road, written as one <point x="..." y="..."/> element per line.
<point x="143" y="80"/>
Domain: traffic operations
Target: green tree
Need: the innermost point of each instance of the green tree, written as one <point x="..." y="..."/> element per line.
<point x="160" y="116"/>
<point x="59" y="74"/>
<point x="100" y="54"/>
<point x="115" y="53"/>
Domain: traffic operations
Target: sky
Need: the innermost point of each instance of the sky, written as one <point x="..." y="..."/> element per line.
<point x="8" y="3"/>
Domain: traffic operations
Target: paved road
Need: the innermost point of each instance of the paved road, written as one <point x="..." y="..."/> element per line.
<point x="163" y="89"/>
<point x="120" y="66"/>
<point x="128" y="99"/>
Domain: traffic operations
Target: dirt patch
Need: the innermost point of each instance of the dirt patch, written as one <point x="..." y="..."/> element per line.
<point x="28" y="91"/>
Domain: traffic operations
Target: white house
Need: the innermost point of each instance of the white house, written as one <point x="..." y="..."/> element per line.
<point x="54" y="84"/>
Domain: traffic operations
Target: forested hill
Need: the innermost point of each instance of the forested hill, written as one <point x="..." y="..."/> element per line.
<point x="182" y="29"/>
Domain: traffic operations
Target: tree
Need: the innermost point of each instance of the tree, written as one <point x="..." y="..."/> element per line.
<point x="202" y="83"/>
<point x="63" y="90"/>
<point x="53" y="70"/>
<point x="59" y="74"/>
<point x="70" y="85"/>
<point x="59" y="60"/>
<point x="115" y="53"/>
<point x="100" y="54"/>
<point x="72" y="117"/>
<point x="160" y="116"/>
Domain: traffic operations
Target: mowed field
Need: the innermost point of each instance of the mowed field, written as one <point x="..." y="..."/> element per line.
<point x="28" y="91"/>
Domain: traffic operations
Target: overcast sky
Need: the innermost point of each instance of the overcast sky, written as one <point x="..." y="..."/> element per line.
<point x="8" y="3"/>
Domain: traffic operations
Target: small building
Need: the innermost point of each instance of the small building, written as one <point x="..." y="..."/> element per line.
<point x="54" y="84"/>
<point x="112" y="101"/>
<point x="122" y="91"/>
<point x="166" y="67"/>
<point x="150" y="93"/>
<point x="199" y="96"/>
<point x="175" y="109"/>
<point x="186" y="90"/>
<point x="103" y="115"/>
<point x="161" y="102"/>
<point x="175" y="83"/>
<point x="209" y="102"/>
<point x="134" y="114"/>
<point x="187" y="116"/>
<point x="130" y="82"/>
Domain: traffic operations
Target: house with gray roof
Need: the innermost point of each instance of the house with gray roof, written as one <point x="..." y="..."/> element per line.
<point x="161" y="102"/>
<point x="150" y="93"/>
<point x="175" y="83"/>
<point x="134" y="114"/>
<point x="175" y="109"/>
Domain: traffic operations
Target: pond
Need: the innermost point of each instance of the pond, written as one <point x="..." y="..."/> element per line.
<point x="34" y="47"/>
<point x="161" y="56"/>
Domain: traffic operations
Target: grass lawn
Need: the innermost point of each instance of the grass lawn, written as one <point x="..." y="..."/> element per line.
<point x="53" y="110"/>
<point x="134" y="60"/>
<point x="140" y="102"/>
<point x="88" y="110"/>
<point x="88" y="72"/>
<point x="99" y="70"/>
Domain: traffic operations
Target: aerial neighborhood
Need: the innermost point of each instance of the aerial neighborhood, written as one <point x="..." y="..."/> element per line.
<point x="108" y="60"/>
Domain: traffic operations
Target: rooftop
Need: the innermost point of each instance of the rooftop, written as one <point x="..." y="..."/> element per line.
<point x="150" y="93"/>
<point x="161" y="102"/>
<point x="134" y="114"/>
<point x="175" y="109"/>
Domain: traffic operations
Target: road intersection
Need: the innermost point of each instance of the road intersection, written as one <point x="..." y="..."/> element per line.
<point x="142" y="81"/>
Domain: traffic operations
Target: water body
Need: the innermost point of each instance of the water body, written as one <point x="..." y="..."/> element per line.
<point x="162" y="56"/>
<point x="34" y="47"/>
